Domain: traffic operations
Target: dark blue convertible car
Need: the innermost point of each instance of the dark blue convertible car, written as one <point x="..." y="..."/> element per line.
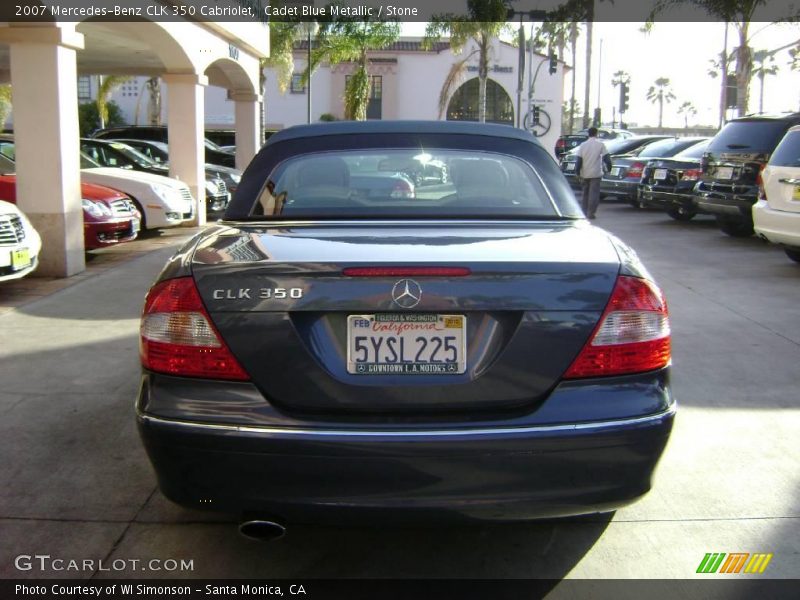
<point x="475" y="349"/>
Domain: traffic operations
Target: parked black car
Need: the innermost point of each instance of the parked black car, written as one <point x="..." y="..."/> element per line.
<point x="119" y="155"/>
<point x="214" y="154"/>
<point x="668" y="183"/>
<point x="565" y="143"/>
<point x="159" y="152"/>
<point x="622" y="181"/>
<point x="732" y="166"/>
<point x="614" y="147"/>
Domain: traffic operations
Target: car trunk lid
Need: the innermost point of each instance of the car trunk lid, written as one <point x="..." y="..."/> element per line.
<point x="528" y="297"/>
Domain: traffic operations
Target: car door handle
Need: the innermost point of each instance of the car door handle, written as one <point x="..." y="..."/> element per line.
<point x="790" y="181"/>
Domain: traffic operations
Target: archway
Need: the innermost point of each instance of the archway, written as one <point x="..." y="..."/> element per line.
<point x="463" y="105"/>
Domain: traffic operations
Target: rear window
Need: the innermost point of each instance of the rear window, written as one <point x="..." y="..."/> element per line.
<point x="665" y="148"/>
<point x="620" y="146"/>
<point x="749" y="136"/>
<point x="404" y="182"/>
<point x="787" y="154"/>
<point x="695" y="151"/>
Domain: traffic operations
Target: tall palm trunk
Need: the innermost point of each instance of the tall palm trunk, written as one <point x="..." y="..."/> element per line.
<point x="761" y="77"/>
<point x="573" y="40"/>
<point x="660" y="109"/>
<point x="483" y="74"/>
<point x="744" y="69"/>
<point x="588" y="79"/>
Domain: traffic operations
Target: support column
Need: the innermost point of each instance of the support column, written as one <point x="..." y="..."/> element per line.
<point x="186" y="129"/>
<point x="45" y="99"/>
<point x="248" y="124"/>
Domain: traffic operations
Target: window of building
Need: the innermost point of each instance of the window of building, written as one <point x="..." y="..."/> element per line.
<point x="297" y="86"/>
<point x="463" y="105"/>
<point x="84" y="88"/>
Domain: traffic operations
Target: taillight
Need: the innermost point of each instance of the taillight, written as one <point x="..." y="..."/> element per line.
<point x="560" y="143"/>
<point x="633" y="335"/>
<point x="178" y="338"/>
<point x="635" y="170"/>
<point x="762" y="192"/>
<point x="406" y="271"/>
<point x="691" y="175"/>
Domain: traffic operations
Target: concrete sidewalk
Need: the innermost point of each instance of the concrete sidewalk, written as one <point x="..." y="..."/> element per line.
<point x="75" y="482"/>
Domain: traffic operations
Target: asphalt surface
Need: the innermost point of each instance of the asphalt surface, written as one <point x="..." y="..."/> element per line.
<point x="75" y="482"/>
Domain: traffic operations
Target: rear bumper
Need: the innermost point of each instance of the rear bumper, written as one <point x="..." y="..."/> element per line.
<point x="778" y="226"/>
<point x="619" y="188"/>
<point x="466" y="472"/>
<point x="731" y="206"/>
<point x="666" y="200"/>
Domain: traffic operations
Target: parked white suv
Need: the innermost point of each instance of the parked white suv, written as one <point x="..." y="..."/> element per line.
<point x="776" y="215"/>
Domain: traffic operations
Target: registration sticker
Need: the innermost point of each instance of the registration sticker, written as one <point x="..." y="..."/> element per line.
<point x="406" y="344"/>
<point x="20" y="258"/>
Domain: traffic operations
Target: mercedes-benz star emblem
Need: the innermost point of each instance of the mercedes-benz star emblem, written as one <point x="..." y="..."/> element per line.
<point x="406" y="293"/>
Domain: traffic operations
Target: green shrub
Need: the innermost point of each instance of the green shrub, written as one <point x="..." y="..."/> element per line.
<point x="89" y="119"/>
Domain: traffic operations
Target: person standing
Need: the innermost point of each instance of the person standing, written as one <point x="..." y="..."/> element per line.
<point x="592" y="158"/>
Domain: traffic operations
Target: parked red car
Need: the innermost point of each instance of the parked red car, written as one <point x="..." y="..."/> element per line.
<point x="109" y="216"/>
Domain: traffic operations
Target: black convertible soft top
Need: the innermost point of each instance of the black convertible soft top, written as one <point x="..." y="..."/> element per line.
<point x="407" y="127"/>
<point x="348" y="135"/>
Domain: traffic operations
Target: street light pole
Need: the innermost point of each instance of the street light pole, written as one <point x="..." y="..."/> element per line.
<point x="308" y="66"/>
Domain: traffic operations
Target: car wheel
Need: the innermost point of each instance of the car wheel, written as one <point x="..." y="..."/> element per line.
<point x="143" y="223"/>
<point x="681" y="214"/>
<point x="736" y="228"/>
<point x="793" y="253"/>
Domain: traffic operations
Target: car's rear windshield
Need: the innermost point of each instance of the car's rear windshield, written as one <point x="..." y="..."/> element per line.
<point x="787" y="154"/>
<point x="665" y="148"/>
<point x="695" y="151"/>
<point x="620" y="146"/>
<point x="749" y="136"/>
<point x="404" y="182"/>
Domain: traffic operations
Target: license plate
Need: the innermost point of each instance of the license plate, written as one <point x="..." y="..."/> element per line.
<point x="406" y="344"/>
<point x="724" y="173"/>
<point x="660" y="174"/>
<point x="615" y="171"/>
<point x="569" y="167"/>
<point x="20" y="259"/>
<point x="136" y="225"/>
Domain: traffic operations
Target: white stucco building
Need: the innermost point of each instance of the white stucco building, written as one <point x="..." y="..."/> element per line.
<point x="407" y="81"/>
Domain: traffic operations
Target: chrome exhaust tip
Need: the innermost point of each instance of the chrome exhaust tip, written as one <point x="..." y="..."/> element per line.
<point x="262" y="530"/>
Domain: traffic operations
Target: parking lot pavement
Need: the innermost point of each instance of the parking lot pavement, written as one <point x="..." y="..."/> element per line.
<point x="76" y="483"/>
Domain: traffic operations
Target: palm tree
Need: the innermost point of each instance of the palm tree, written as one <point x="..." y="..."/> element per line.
<point x="740" y="14"/>
<point x="764" y="65"/>
<point x="556" y="34"/>
<point x="5" y="103"/>
<point x="574" y="32"/>
<point x="485" y="21"/>
<point x="108" y="84"/>
<point x="687" y="109"/>
<point x="343" y="40"/>
<point x="660" y="93"/>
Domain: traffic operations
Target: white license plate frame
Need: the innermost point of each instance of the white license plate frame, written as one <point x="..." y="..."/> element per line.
<point x="409" y="355"/>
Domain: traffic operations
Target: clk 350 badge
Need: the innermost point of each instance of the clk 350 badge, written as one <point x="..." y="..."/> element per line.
<point x="259" y="293"/>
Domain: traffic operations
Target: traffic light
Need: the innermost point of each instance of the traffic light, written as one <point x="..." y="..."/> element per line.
<point x="623" y="97"/>
<point x="536" y="115"/>
<point x="553" y="67"/>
